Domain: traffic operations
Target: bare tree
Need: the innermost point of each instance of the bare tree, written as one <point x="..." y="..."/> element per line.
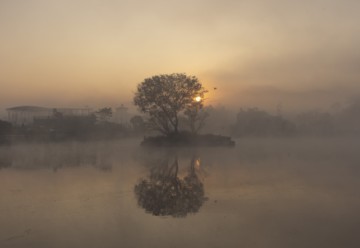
<point x="163" y="97"/>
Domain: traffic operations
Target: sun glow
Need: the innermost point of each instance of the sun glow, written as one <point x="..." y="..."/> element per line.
<point x="198" y="98"/>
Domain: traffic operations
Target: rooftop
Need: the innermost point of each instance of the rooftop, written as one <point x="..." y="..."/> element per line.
<point x="39" y="109"/>
<point x="28" y="108"/>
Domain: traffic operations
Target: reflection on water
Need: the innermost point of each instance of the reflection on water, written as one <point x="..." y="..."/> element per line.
<point x="264" y="193"/>
<point x="164" y="193"/>
<point x="56" y="156"/>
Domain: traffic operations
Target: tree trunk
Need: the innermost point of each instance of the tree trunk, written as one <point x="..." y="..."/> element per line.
<point x="176" y="125"/>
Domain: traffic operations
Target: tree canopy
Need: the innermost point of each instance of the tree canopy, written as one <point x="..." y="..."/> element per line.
<point x="104" y="114"/>
<point x="163" y="97"/>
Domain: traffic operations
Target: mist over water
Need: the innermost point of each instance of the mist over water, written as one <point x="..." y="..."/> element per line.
<point x="265" y="192"/>
<point x="81" y="81"/>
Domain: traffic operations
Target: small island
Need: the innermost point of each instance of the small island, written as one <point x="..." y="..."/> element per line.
<point x="170" y="100"/>
<point x="188" y="139"/>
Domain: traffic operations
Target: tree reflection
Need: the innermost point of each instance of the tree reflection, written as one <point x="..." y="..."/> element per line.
<point x="165" y="194"/>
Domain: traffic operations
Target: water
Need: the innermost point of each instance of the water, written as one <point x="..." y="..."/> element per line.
<point x="262" y="193"/>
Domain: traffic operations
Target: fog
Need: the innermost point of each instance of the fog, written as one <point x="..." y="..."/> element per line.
<point x="268" y="157"/>
<point x="270" y="192"/>
<point x="77" y="53"/>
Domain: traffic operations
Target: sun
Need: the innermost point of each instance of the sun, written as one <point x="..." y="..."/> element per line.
<point x="198" y="98"/>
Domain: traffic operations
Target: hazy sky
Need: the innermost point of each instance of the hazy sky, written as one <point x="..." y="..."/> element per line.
<point x="265" y="52"/>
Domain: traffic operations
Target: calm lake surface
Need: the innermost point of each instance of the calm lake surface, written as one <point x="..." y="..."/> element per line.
<point x="262" y="193"/>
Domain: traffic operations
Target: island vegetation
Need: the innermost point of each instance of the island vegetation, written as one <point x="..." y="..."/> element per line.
<point x="168" y="98"/>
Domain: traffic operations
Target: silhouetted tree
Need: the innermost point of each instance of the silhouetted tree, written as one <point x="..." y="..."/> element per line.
<point x="163" y="97"/>
<point x="255" y="122"/>
<point x="315" y="123"/>
<point x="138" y="124"/>
<point x="348" y="120"/>
<point x="57" y="114"/>
<point x="196" y="116"/>
<point x="5" y="129"/>
<point x="104" y="114"/>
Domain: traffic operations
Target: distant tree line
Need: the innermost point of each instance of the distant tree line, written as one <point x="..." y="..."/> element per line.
<point x="59" y="127"/>
<point x="5" y="130"/>
<point x="256" y="122"/>
<point x="249" y="122"/>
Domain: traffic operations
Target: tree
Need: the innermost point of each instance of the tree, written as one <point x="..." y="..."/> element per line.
<point x="104" y="114"/>
<point x="138" y="124"/>
<point x="256" y="122"/>
<point x="196" y="116"/>
<point x="164" y="97"/>
<point x="5" y="129"/>
<point x="57" y="114"/>
<point x="315" y="123"/>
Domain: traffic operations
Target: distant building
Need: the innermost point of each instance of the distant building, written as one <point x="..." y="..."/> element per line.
<point x="74" y="111"/>
<point x="25" y="115"/>
<point x="121" y="115"/>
